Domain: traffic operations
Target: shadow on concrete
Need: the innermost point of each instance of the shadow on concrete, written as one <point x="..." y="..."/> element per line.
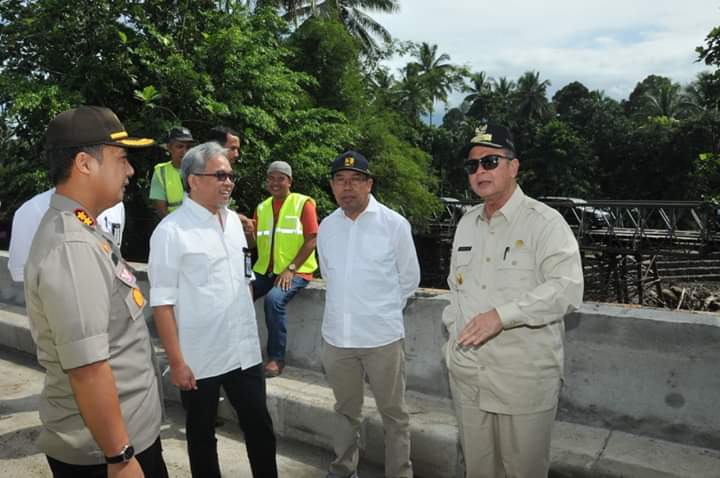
<point x="18" y="405"/>
<point x="19" y="443"/>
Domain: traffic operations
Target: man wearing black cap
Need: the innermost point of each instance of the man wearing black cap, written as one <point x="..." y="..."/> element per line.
<point x="166" y="189"/>
<point x="515" y="272"/>
<point x="100" y="405"/>
<point x="368" y="260"/>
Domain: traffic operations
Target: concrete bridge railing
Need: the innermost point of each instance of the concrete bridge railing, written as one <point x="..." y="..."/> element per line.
<point x="644" y="371"/>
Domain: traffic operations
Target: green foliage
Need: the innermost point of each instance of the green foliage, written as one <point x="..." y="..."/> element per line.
<point x="296" y="97"/>
<point x="560" y="163"/>
<point x="325" y="51"/>
<point x="350" y="13"/>
<point x="708" y="173"/>
<point x="305" y="91"/>
<point x="571" y="99"/>
<point x="401" y="171"/>
<point x="313" y="140"/>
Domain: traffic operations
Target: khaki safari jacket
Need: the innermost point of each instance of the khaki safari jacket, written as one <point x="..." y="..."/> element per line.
<point x="85" y="306"/>
<point x="525" y="264"/>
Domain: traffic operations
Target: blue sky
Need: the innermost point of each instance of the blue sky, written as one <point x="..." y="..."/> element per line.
<point x="608" y="45"/>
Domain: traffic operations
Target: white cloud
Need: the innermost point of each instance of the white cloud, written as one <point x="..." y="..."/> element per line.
<point x="608" y="45"/>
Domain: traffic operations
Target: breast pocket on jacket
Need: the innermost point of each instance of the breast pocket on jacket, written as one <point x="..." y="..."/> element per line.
<point x="516" y="272"/>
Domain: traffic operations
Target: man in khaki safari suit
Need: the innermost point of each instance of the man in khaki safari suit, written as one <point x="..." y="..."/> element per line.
<point x="515" y="272"/>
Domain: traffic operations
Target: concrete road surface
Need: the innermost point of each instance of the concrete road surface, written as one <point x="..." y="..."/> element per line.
<point x="21" y="381"/>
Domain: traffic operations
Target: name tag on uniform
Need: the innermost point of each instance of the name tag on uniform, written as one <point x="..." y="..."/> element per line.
<point x="127" y="277"/>
<point x="464" y="248"/>
<point x="248" y="262"/>
<point x="116" y="234"/>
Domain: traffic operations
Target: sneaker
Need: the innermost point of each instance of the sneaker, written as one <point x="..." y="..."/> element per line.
<point x="333" y="475"/>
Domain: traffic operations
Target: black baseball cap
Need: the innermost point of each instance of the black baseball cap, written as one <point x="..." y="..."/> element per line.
<point x="90" y="125"/>
<point x="180" y="133"/>
<point x="350" y="161"/>
<point x="492" y="136"/>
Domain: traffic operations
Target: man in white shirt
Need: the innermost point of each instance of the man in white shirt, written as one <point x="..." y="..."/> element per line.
<point x="27" y="219"/>
<point x="204" y="313"/>
<point x="368" y="260"/>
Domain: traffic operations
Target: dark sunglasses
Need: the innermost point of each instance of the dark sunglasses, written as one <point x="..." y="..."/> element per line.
<point x="488" y="163"/>
<point x="221" y="176"/>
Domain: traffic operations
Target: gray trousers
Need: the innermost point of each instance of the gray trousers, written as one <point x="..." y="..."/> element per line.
<point x="384" y="366"/>
<point x="497" y="445"/>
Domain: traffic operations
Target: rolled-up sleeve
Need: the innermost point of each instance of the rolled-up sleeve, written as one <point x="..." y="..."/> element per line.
<point x="75" y="291"/>
<point x="163" y="269"/>
<point x="560" y="289"/>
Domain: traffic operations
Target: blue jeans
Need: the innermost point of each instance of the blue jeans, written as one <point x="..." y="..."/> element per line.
<point x="276" y="301"/>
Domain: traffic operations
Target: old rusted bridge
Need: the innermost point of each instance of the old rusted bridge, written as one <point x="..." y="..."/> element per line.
<point x="628" y="247"/>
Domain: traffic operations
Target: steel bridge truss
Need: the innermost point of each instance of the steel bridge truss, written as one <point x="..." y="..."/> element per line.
<point x="622" y="242"/>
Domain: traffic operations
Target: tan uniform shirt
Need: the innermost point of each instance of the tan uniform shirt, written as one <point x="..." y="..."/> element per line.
<point x="525" y="264"/>
<point x="84" y="306"/>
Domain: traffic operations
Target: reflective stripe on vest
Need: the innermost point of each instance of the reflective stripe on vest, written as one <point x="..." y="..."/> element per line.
<point x="286" y="239"/>
<point x="171" y="183"/>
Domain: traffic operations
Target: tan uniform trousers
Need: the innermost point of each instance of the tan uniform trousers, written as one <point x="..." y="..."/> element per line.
<point x="502" y="446"/>
<point x="384" y="366"/>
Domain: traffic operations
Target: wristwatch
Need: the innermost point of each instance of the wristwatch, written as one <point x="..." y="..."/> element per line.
<point x="291" y="267"/>
<point x="125" y="455"/>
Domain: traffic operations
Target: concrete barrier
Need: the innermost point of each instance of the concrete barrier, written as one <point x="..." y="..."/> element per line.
<point x="646" y="372"/>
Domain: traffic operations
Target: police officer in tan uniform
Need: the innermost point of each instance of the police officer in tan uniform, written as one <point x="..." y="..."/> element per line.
<point x="100" y="405"/>
<point x="515" y="272"/>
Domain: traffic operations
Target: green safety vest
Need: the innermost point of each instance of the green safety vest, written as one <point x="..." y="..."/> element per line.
<point x="285" y="239"/>
<point x="172" y="184"/>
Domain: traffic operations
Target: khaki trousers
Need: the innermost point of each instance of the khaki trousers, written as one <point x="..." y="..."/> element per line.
<point x="384" y="367"/>
<point x="502" y="446"/>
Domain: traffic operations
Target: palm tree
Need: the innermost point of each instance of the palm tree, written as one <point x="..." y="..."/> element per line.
<point x="410" y="94"/>
<point x="665" y="101"/>
<point x="475" y="104"/>
<point x="701" y="94"/>
<point x="503" y="100"/>
<point x="380" y="84"/>
<point x="349" y="12"/>
<point x="438" y="76"/>
<point x="531" y="96"/>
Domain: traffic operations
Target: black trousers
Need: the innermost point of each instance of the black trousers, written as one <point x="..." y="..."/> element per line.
<point x="246" y="391"/>
<point x="151" y="462"/>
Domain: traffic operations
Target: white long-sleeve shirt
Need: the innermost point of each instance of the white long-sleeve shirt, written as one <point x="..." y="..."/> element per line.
<point x="198" y="267"/>
<point x="27" y="219"/>
<point x="370" y="268"/>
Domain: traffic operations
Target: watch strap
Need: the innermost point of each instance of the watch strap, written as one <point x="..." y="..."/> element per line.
<point x="124" y="456"/>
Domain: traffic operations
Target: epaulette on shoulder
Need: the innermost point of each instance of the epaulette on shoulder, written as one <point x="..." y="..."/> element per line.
<point x="541" y="208"/>
<point x="84" y="217"/>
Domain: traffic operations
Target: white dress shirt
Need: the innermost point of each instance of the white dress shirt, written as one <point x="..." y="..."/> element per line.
<point x="199" y="267"/>
<point x="370" y="268"/>
<point x="27" y="219"/>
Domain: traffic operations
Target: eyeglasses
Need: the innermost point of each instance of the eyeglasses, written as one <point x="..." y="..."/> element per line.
<point x="488" y="163"/>
<point x="221" y="176"/>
